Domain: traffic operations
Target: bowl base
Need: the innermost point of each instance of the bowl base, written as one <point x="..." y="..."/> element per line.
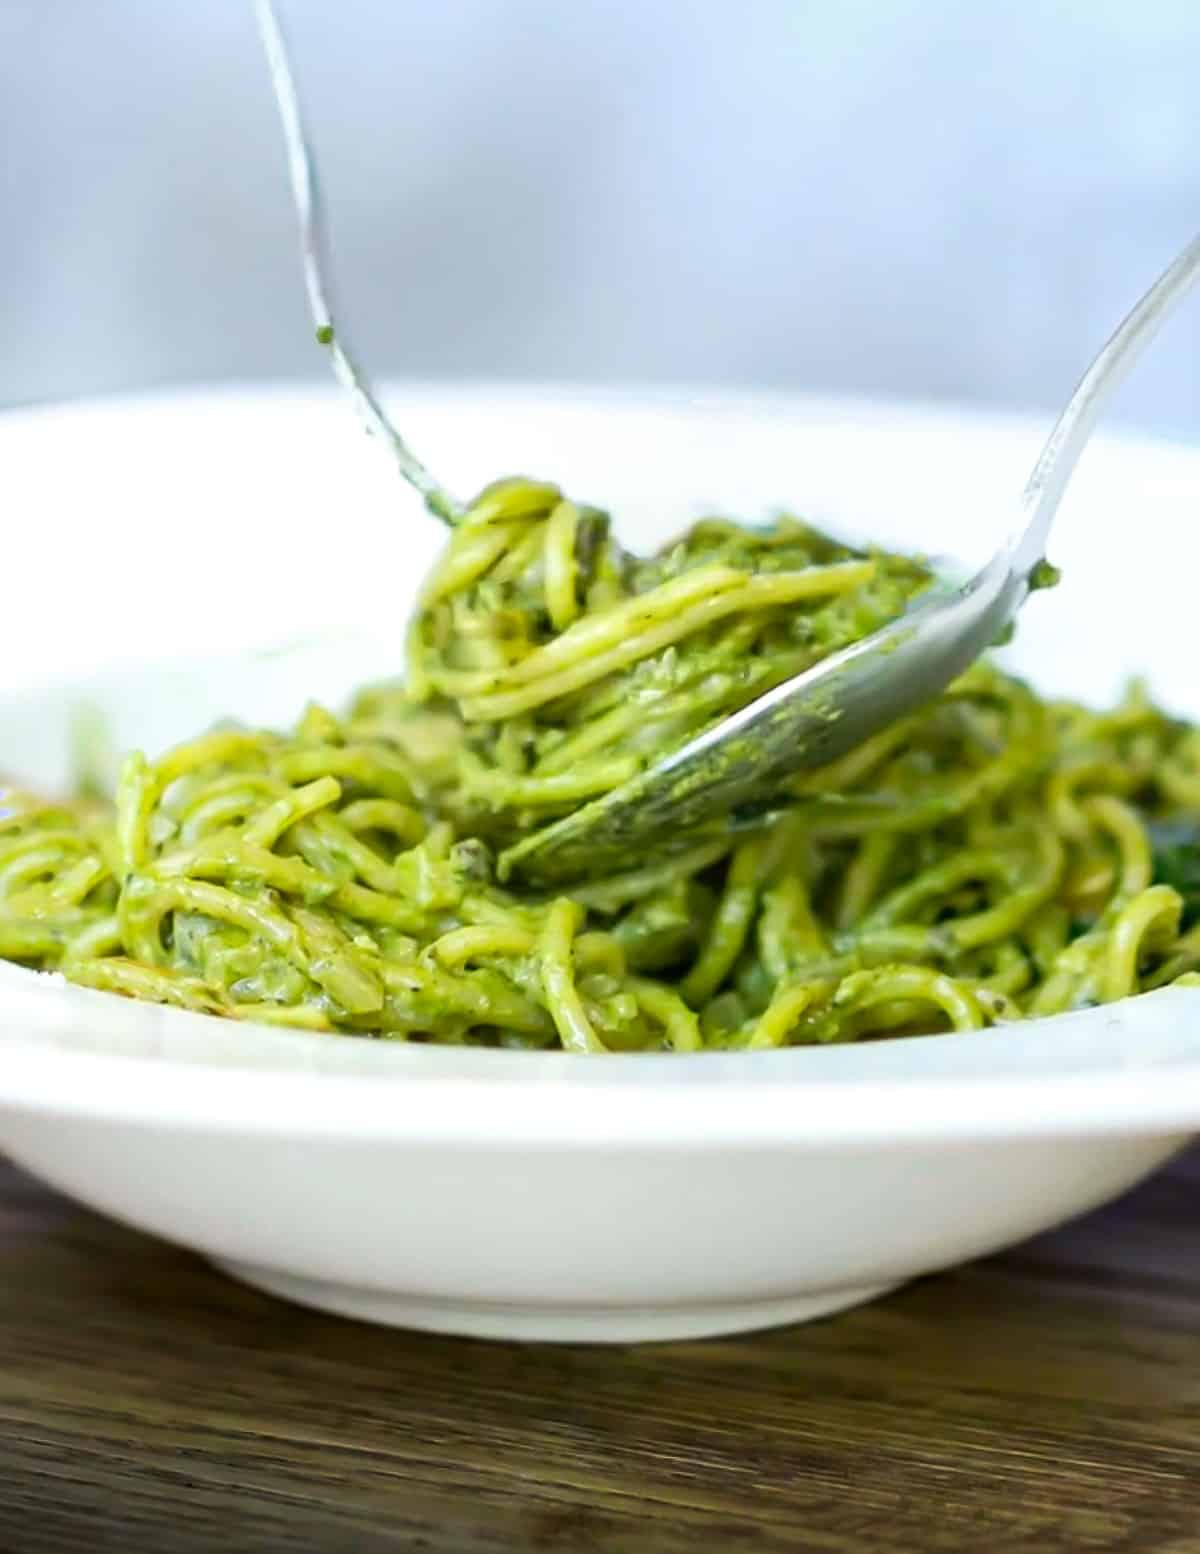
<point x="568" y="1324"/>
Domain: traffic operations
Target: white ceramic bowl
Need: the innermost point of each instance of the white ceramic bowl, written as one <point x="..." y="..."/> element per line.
<point x="547" y="1196"/>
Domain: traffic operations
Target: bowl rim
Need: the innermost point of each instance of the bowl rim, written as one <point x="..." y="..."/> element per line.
<point x="1118" y="1069"/>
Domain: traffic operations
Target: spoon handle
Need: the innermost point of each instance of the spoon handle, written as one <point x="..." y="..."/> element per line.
<point x="1057" y="460"/>
<point x="306" y="195"/>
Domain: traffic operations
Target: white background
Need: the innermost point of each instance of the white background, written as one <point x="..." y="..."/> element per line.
<point x="941" y="198"/>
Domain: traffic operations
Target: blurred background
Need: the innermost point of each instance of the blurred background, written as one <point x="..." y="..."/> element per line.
<point x="920" y="198"/>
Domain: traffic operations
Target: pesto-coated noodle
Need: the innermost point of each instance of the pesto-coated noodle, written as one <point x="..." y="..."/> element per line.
<point x="993" y="857"/>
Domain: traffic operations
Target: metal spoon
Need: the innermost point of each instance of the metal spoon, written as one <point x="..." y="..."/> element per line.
<point x="731" y="776"/>
<point x="734" y="768"/>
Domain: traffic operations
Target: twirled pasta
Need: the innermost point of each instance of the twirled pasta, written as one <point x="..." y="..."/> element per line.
<point x="988" y="859"/>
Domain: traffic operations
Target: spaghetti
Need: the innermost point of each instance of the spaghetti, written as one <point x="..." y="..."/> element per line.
<point x="992" y="858"/>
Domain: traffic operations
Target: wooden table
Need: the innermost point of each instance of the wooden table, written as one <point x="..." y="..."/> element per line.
<point x="1044" y="1401"/>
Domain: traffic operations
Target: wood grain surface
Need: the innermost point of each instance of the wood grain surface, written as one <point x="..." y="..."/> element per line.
<point x="1044" y="1401"/>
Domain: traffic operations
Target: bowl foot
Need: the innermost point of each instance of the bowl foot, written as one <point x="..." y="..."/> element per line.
<point x="550" y="1324"/>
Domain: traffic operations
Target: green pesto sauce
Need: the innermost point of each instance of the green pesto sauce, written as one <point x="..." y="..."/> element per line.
<point x="991" y="858"/>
